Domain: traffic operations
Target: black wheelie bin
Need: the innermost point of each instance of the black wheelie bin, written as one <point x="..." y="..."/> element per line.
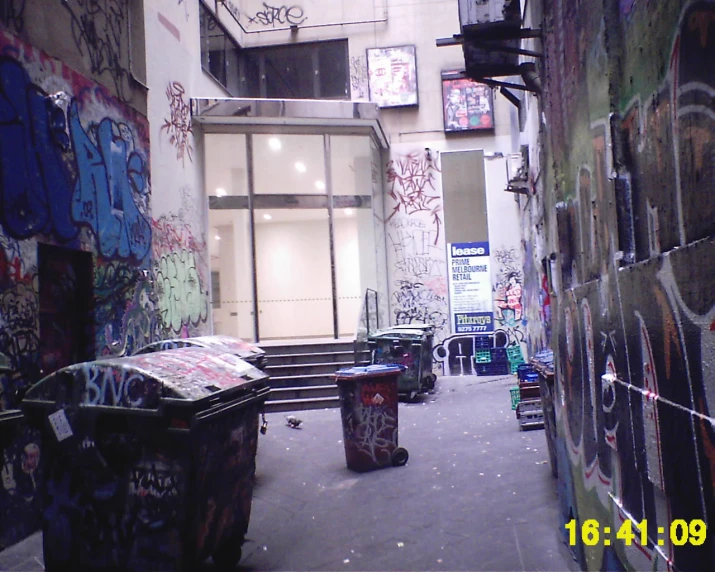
<point x="150" y="459"/>
<point x="408" y="345"/>
<point x="245" y="350"/>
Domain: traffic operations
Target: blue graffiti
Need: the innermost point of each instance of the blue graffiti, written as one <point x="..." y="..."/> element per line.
<point x="34" y="190"/>
<point x="110" y="174"/>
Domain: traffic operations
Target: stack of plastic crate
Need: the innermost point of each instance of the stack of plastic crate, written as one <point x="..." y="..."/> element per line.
<point x="528" y="409"/>
<point x="484" y="362"/>
<point x="515" y="357"/>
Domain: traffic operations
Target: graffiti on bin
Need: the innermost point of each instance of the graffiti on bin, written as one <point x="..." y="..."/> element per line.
<point x="139" y="530"/>
<point x="377" y="393"/>
<point x="118" y="387"/>
<point x="226" y="463"/>
<point x="409" y="358"/>
<point x="372" y="431"/>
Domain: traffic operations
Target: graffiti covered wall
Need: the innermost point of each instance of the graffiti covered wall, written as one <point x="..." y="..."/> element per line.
<point x="75" y="177"/>
<point x="629" y="175"/>
<point x="75" y="173"/>
<point x="180" y="260"/>
<point x="416" y="254"/>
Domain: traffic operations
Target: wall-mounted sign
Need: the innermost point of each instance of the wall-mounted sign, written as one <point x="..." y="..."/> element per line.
<point x="392" y="76"/>
<point x="468" y="105"/>
<point x="470" y="287"/>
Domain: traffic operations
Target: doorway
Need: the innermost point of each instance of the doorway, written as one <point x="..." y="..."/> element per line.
<point x="66" y="324"/>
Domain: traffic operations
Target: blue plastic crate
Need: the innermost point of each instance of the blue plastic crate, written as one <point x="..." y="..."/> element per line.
<point x="524" y="369"/>
<point x="492" y="368"/>
<point x="482" y="342"/>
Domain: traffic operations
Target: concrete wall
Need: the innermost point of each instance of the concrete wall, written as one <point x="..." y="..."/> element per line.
<point x="624" y="200"/>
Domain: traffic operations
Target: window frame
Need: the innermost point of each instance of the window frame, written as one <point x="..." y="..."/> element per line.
<point x="311" y="52"/>
<point x="229" y="44"/>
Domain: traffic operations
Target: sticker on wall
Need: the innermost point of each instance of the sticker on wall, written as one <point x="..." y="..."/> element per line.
<point x="470" y="289"/>
<point x="392" y="76"/>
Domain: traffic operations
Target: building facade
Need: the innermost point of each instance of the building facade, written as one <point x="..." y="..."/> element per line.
<point x="128" y="214"/>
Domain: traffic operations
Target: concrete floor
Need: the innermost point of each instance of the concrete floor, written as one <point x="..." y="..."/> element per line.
<point x="477" y="494"/>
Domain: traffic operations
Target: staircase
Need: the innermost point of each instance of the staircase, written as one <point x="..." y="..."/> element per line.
<point x="302" y="372"/>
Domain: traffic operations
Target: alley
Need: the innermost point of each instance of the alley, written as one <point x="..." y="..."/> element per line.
<point x="476" y="494"/>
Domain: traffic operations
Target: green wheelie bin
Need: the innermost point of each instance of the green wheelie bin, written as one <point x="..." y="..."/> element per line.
<point x="408" y="345"/>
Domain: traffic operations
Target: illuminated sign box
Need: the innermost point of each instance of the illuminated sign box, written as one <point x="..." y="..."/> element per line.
<point x="392" y="76"/>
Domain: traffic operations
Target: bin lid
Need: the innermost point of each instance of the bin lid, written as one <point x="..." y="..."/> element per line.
<point x="398" y="334"/>
<point x="368" y="371"/>
<point x="143" y="381"/>
<point x="414" y="326"/>
<point x="241" y="348"/>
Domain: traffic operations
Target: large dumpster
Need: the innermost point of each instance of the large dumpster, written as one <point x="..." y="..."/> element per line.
<point x="408" y="345"/>
<point x="150" y="459"/>
<point x="368" y="408"/>
<point x="20" y="463"/>
<point x="243" y="349"/>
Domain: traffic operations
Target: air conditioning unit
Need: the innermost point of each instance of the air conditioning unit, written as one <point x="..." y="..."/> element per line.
<point x="478" y="13"/>
<point x="515" y="167"/>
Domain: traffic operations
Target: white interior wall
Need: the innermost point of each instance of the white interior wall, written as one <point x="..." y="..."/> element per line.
<point x="294" y="285"/>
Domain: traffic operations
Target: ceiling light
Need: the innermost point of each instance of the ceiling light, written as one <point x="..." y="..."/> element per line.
<point x="348" y="212"/>
<point x="220" y="192"/>
<point x="320" y="185"/>
<point x="300" y="167"/>
<point x="267" y="216"/>
<point x="217" y="237"/>
<point x="275" y="144"/>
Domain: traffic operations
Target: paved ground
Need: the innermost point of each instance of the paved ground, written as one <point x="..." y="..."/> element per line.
<point x="477" y="494"/>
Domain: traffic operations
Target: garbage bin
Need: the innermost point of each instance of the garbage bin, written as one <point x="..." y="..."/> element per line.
<point x="368" y="408"/>
<point x="20" y="463"/>
<point x="409" y="345"/>
<point x="150" y="459"/>
<point x="243" y="349"/>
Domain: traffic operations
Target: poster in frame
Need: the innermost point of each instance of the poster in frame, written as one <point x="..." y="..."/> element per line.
<point x="392" y="76"/>
<point x="467" y="104"/>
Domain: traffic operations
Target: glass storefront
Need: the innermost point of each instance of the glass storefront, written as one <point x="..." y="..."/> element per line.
<point x="292" y="233"/>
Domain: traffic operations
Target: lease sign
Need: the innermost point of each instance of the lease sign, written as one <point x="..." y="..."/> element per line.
<point x="470" y="288"/>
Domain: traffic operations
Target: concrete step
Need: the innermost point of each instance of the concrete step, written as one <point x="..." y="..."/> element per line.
<point x="303" y="369"/>
<point x="299" y="380"/>
<point x="307" y="392"/>
<point x="302" y="404"/>
<point x="306" y="347"/>
<point x="315" y="357"/>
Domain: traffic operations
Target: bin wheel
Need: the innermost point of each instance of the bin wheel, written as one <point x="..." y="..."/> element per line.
<point x="228" y="554"/>
<point x="399" y="457"/>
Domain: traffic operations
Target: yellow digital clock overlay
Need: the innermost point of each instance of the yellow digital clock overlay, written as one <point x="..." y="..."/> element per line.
<point x="680" y="533"/>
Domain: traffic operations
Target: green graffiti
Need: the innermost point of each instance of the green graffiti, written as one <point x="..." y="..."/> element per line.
<point x="181" y="299"/>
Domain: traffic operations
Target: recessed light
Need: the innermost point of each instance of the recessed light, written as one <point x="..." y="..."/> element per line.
<point x="220" y="192"/>
<point x="217" y="237"/>
<point x="320" y="185"/>
<point x="349" y="212"/>
<point x="300" y="167"/>
<point x="275" y="144"/>
<point x="267" y="216"/>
